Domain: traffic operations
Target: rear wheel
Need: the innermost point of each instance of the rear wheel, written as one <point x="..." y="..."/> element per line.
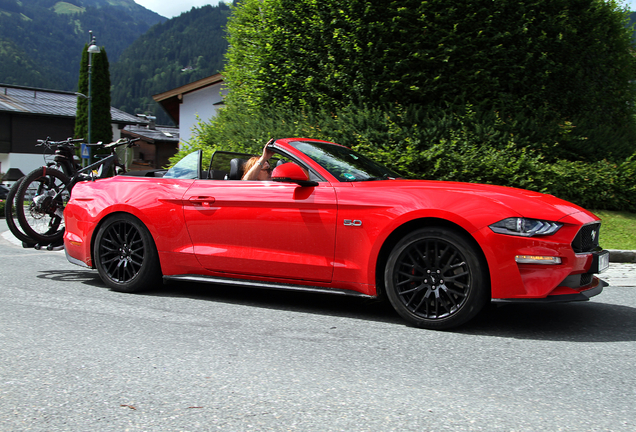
<point x="39" y="205"/>
<point x="125" y="255"/>
<point x="436" y="278"/>
<point x="11" y="217"/>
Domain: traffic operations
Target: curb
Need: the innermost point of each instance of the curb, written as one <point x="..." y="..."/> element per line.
<point x="622" y="256"/>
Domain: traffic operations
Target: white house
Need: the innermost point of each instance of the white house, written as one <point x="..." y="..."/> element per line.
<point x="202" y="99"/>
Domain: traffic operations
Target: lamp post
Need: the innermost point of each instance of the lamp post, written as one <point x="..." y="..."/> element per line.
<point x="92" y="49"/>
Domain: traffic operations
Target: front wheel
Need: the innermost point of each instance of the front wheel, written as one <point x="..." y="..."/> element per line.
<point x="436" y="278"/>
<point x="125" y="254"/>
<point x="39" y="204"/>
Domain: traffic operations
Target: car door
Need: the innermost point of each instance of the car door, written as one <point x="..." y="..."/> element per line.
<point x="263" y="228"/>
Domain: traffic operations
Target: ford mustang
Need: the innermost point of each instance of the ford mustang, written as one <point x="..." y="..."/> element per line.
<point x="331" y="220"/>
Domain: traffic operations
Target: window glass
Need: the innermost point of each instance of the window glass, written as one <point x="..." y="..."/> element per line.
<point x="344" y="164"/>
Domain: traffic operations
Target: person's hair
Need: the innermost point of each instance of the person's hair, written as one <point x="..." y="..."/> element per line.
<point x="249" y="164"/>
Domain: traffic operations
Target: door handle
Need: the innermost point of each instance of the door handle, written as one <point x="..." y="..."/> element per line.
<point x="205" y="201"/>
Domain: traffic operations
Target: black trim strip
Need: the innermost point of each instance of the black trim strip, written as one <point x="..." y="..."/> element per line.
<point x="261" y="284"/>
<point x="75" y="260"/>
<point x="582" y="296"/>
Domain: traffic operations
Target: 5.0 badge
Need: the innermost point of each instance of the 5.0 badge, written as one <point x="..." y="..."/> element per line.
<point x="354" y="222"/>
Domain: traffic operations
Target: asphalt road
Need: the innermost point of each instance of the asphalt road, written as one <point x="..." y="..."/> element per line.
<point x="78" y="357"/>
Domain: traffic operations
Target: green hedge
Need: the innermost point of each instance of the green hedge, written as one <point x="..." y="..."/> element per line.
<point x="466" y="146"/>
<point x="546" y="67"/>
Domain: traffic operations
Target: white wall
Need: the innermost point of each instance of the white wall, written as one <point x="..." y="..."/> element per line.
<point x="116" y="132"/>
<point x="198" y="103"/>
<point x="23" y="161"/>
<point x="4" y="163"/>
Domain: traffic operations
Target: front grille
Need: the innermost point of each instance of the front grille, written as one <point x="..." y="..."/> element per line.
<point x="587" y="238"/>
<point x="586" y="279"/>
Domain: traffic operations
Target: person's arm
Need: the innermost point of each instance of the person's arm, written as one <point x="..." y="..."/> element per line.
<point x="253" y="172"/>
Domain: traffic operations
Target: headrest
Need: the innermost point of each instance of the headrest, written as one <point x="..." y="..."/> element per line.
<point x="236" y="168"/>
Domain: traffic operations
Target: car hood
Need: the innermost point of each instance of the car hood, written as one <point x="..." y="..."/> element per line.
<point x="521" y="201"/>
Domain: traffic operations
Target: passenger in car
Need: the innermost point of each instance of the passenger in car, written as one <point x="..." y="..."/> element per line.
<point x="258" y="168"/>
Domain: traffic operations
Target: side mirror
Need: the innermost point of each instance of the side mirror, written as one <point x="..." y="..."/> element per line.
<point x="291" y="173"/>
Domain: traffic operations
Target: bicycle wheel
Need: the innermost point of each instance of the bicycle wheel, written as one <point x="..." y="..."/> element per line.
<point x="39" y="205"/>
<point x="10" y="215"/>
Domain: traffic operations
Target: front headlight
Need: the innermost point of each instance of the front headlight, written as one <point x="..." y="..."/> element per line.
<point x="525" y="227"/>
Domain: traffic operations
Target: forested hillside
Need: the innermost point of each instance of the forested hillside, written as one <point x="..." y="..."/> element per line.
<point x="41" y="40"/>
<point x="174" y="53"/>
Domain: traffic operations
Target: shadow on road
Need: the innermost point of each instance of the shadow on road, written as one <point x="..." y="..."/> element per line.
<point x="87" y="277"/>
<point x="591" y="321"/>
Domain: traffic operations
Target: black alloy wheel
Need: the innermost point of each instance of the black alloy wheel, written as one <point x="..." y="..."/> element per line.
<point x="436" y="278"/>
<point x="125" y="254"/>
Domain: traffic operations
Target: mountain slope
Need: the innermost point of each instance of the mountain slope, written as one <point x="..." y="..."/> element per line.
<point x="16" y="67"/>
<point x="177" y="52"/>
<point x="41" y="41"/>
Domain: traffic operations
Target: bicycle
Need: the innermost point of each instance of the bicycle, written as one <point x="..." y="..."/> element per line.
<point x="63" y="160"/>
<point x="43" y="194"/>
<point x="12" y="224"/>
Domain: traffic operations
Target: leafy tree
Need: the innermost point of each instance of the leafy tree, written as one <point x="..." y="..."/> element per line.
<point x="465" y="147"/>
<point x="101" y="129"/>
<point x="564" y="64"/>
<point x="494" y="91"/>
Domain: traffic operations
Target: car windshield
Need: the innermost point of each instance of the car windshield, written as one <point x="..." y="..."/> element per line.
<point x="344" y="164"/>
<point x="186" y="168"/>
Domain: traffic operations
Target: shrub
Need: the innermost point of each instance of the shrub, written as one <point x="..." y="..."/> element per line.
<point x="468" y="146"/>
<point x="561" y="71"/>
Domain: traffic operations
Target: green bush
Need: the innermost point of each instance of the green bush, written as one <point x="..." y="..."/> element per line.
<point x="469" y="147"/>
<point x="536" y="94"/>
<point x="559" y="71"/>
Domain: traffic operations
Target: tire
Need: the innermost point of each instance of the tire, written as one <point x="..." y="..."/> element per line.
<point x="39" y="213"/>
<point x="10" y="215"/>
<point x="436" y="278"/>
<point x="125" y="255"/>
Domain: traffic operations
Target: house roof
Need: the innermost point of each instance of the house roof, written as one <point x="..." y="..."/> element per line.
<point x="171" y="99"/>
<point x="13" y="174"/>
<point x="159" y="133"/>
<point x="30" y="100"/>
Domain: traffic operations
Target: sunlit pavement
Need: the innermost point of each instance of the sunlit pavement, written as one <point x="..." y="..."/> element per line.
<point x="620" y="274"/>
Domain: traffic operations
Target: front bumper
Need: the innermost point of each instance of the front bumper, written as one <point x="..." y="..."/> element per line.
<point x="520" y="267"/>
<point x="594" y="289"/>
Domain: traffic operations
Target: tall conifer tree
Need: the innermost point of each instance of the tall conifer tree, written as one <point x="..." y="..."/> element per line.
<point x="101" y="129"/>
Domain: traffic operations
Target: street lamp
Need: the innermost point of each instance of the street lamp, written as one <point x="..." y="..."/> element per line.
<point x="92" y="49"/>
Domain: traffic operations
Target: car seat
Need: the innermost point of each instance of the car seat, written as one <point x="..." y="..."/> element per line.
<point x="236" y="168"/>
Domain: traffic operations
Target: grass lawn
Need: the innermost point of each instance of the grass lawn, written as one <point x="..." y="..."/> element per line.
<point x="618" y="229"/>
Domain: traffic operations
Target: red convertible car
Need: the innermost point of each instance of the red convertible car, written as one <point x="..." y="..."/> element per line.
<point x="331" y="220"/>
